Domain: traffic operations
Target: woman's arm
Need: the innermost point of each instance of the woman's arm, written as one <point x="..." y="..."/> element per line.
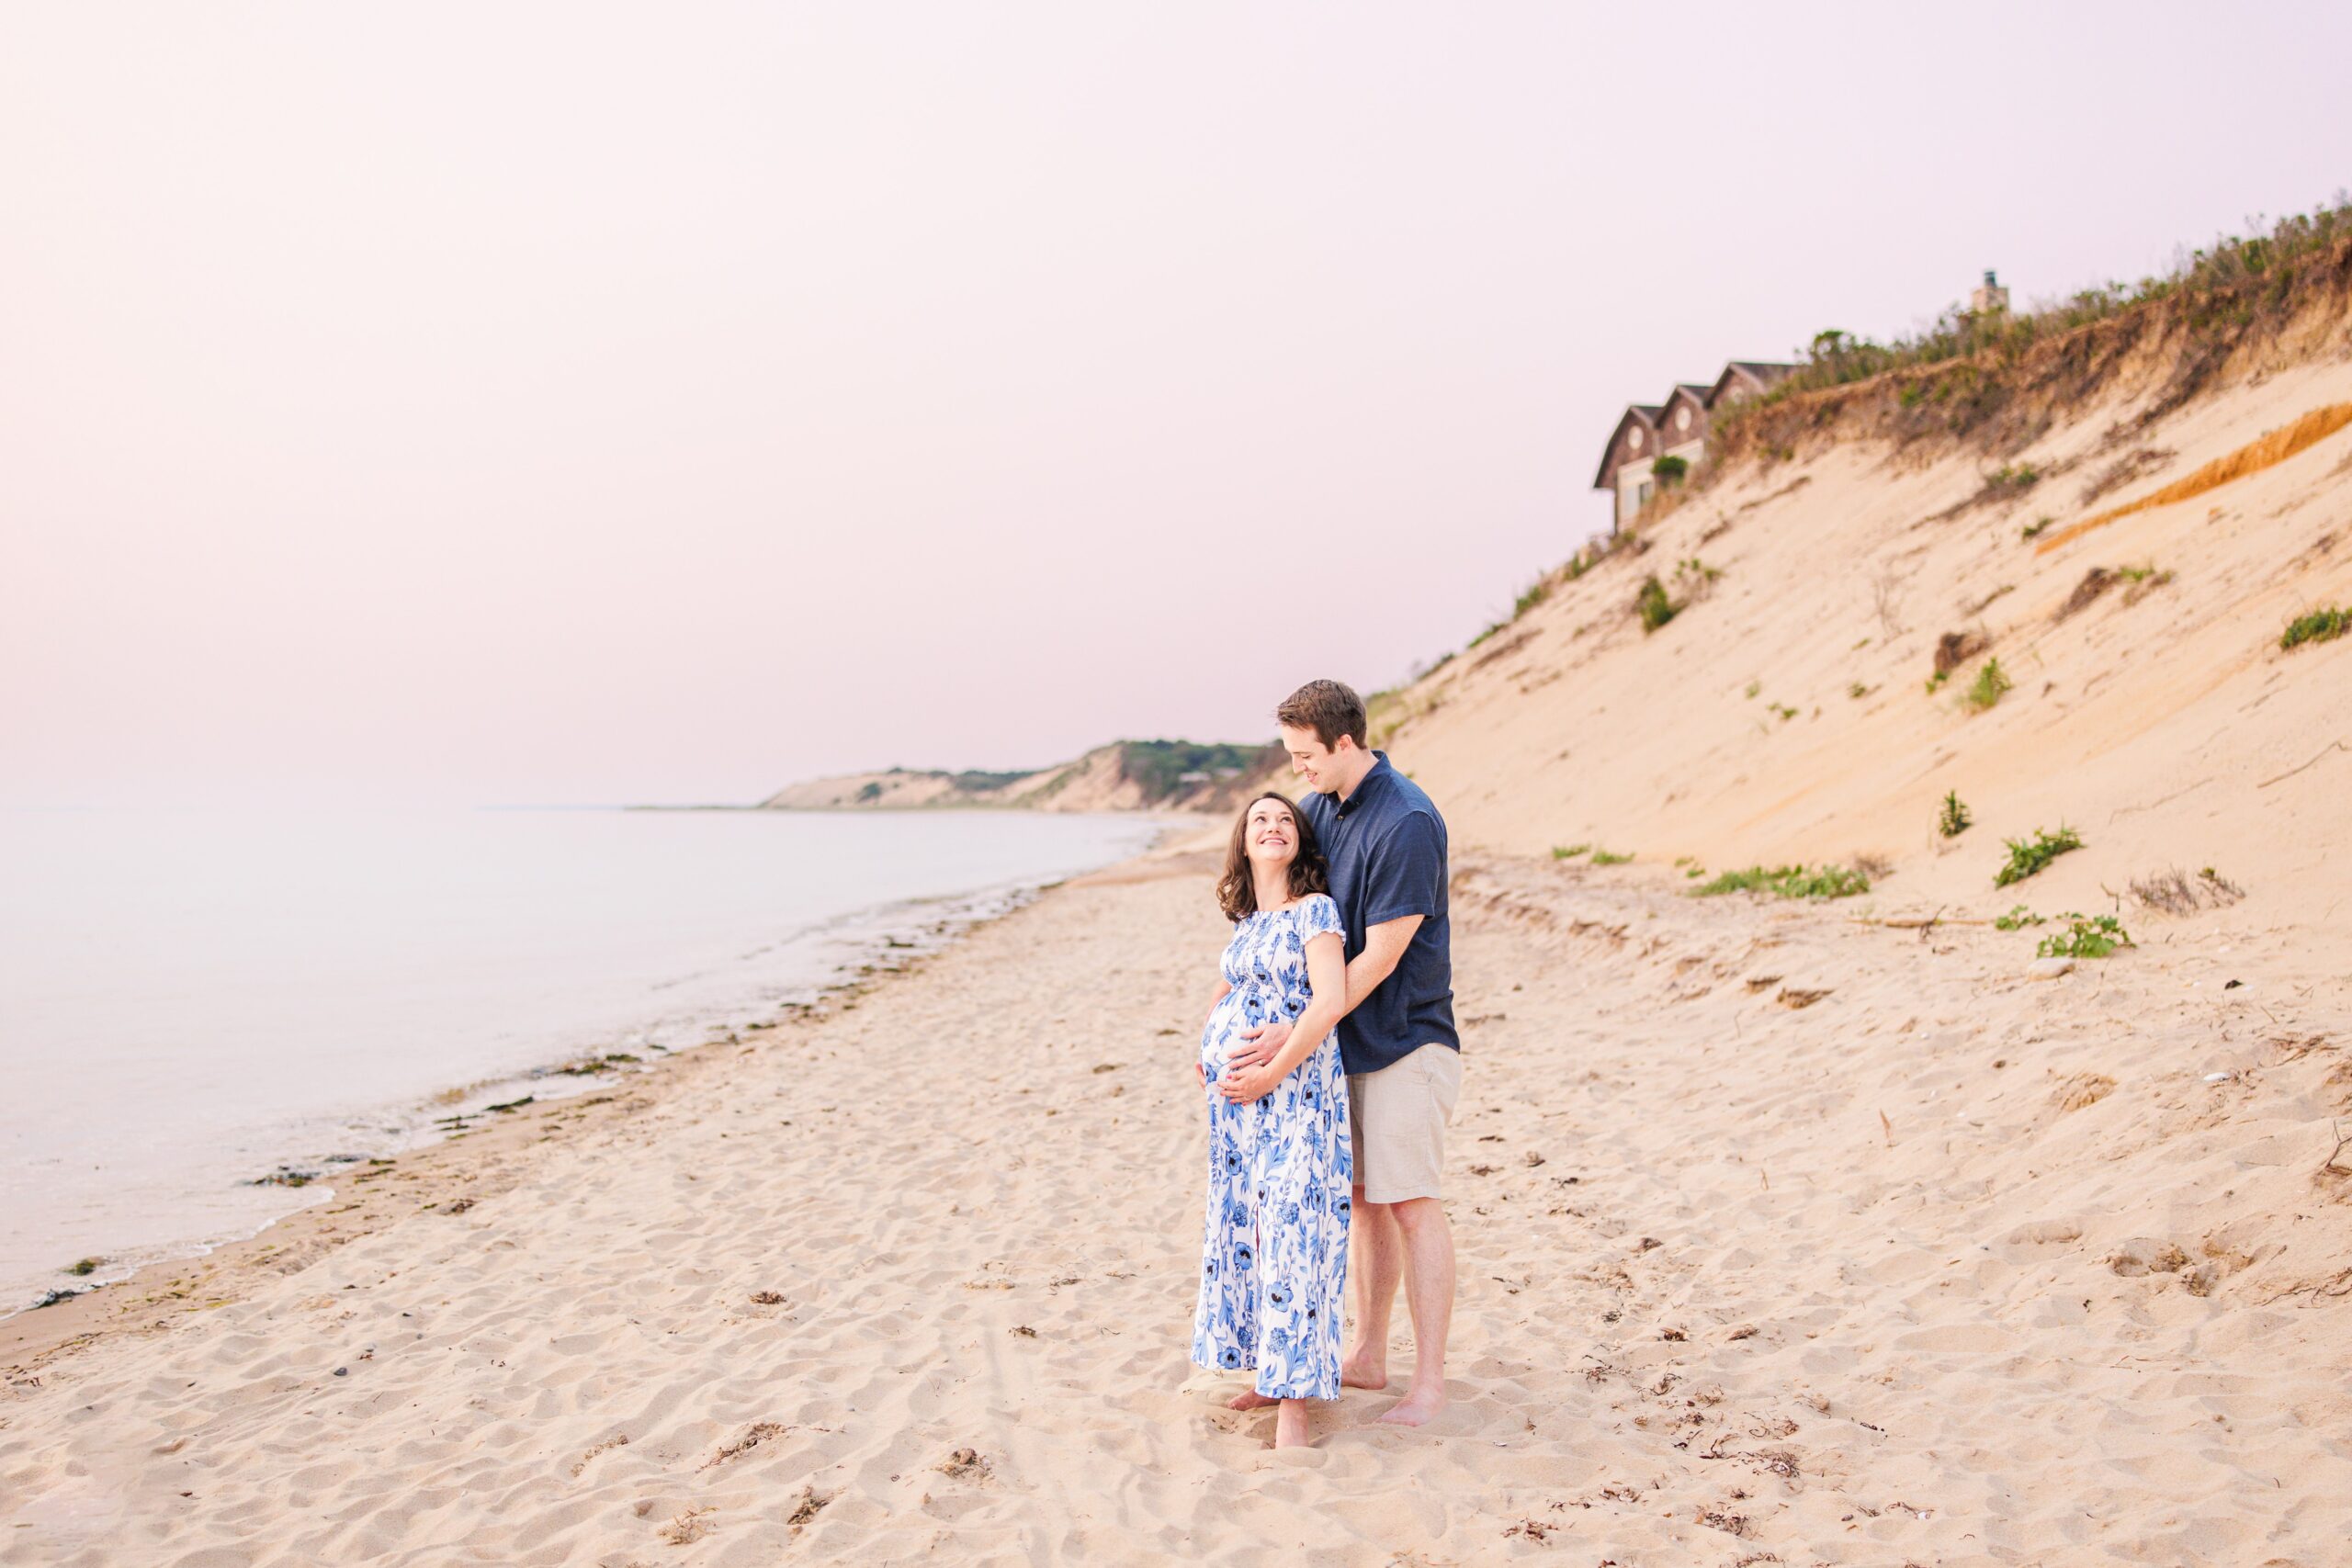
<point x="1327" y="973"/>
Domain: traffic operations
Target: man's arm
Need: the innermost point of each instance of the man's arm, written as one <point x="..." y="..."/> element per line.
<point x="1384" y="949"/>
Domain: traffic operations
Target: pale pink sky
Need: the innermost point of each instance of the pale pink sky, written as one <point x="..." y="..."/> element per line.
<point x="574" y="403"/>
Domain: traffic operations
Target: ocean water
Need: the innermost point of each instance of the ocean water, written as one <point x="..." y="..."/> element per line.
<point x="191" y="1001"/>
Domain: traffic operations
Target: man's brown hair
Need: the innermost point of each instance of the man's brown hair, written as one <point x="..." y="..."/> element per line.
<point x="1237" y="890"/>
<point x="1327" y="708"/>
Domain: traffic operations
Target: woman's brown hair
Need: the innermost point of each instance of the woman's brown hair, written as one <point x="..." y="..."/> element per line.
<point x="1237" y="890"/>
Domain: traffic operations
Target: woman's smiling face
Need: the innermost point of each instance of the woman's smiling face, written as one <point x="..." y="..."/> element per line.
<point x="1270" y="836"/>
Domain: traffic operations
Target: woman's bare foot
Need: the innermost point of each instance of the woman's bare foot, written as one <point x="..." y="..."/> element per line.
<point x="1252" y="1400"/>
<point x="1362" y="1371"/>
<point x="1291" y="1426"/>
<point x="1417" y="1406"/>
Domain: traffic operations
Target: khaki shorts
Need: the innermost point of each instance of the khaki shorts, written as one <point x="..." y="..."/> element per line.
<point x="1397" y="1117"/>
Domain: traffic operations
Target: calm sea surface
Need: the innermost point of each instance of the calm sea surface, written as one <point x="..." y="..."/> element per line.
<point x="191" y="1001"/>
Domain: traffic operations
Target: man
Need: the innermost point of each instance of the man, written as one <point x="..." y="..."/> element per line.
<point x="1385" y="844"/>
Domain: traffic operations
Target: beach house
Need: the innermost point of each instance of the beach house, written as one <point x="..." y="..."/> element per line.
<point x="1676" y="431"/>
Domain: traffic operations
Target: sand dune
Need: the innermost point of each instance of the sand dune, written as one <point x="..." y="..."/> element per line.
<point x="1944" y="1267"/>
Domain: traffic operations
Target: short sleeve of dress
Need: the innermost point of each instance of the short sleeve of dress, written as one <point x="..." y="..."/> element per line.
<point x="1318" y="916"/>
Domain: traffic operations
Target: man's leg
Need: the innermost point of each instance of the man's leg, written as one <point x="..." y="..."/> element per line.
<point x="1429" y="1295"/>
<point x="1375" y="1262"/>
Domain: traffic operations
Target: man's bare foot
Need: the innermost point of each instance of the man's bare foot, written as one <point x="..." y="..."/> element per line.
<point x="1364" y="1372"/>
<point x="1252" y="1400"/>
<point x="1291" y="1429"/>
<point x="1417" y="1406"/>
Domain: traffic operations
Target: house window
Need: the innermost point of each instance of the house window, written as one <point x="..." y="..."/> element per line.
<point x="1642" y="496"/>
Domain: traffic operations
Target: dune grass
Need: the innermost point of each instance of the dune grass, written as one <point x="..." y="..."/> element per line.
<point x="2029" y="856"/>
<point x="2320" y="626"/>
<point x="1789" y="882"/>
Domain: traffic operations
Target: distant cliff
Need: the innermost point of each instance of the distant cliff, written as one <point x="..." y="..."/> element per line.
<point x="1126" y="776"/>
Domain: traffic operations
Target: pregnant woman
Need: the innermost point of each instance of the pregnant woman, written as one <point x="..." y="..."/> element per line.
<point x="1274" y="1252"/>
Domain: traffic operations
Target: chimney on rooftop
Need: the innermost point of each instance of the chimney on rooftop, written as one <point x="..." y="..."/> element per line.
<point x="1990" y="297"/>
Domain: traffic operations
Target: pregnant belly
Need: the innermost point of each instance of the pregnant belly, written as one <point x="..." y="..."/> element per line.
<point x="1239" y="1010"/>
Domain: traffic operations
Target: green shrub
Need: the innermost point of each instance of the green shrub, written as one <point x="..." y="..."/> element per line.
<point x="2089" y="936"/>
<point x="1670" y="470"/>
<point x="2018" y="918"/>
<point x="1537" y="591"/>
<point x="1953" y="820"/>
<point x="1789" y="882"/>
<point x="1754" y="687"/>
<point x="1990" y="682"/>
<point x="1159" y="766"/>
<point x="1602" y="857"/>
<point x="85" y="1266"/>
<point x="2320" y="626"/>
<point x="1568" y="851"/>
<point x="2022" y="477"/>
<point x="1652" y="604"/>
<point x="2029" y="857"/>
<point x="2035" y="527"/>
<point x="1857" y="691"/>
<point x="1936" y="681"/>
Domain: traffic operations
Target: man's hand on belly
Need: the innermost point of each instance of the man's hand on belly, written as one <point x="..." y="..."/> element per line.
<point x="1259" y="1045"/>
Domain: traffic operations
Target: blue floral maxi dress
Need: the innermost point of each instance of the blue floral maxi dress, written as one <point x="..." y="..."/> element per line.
<point x="1274" y="1250"/>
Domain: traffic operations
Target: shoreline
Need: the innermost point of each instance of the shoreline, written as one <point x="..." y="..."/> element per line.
<point x="896" y="942"/>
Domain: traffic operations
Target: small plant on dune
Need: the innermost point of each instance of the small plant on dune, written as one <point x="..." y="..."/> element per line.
<point x="2088" y="936"/>
<point x="1789" y="882"/>
<point x="2019" y="477"/>
<point x="1784" y="711"/>
<point x="1992" y="680"/>
<point x="1537" y="591"/>
<point x="1953" y="820"/>
<point x="2027" y="857"/>
<point x="2320" y="626"/>
<point x="1652" y="604"/>
<point x="2018" y="918"/>
<point x="1568" y="851"/>
<point x="2035" y="528"/>
<point x="1602" y="857"/>
<point x="1857" y="691"/>
<point x="2178" y="893"/>
<point x="2142" y="580"/>
<point x="1754" y="687"/>
<point x="1936" y="681"/>
<point x="84" y="1267"/>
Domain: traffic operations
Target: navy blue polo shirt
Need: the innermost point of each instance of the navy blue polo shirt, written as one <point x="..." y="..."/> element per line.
<point x="1386" y="846"/>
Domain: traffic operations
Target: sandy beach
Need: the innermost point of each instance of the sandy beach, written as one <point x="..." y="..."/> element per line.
<point x="1786" y="1238"/>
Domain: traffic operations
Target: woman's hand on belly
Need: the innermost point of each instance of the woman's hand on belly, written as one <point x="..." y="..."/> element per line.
<point x="1243" y="1085"/>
